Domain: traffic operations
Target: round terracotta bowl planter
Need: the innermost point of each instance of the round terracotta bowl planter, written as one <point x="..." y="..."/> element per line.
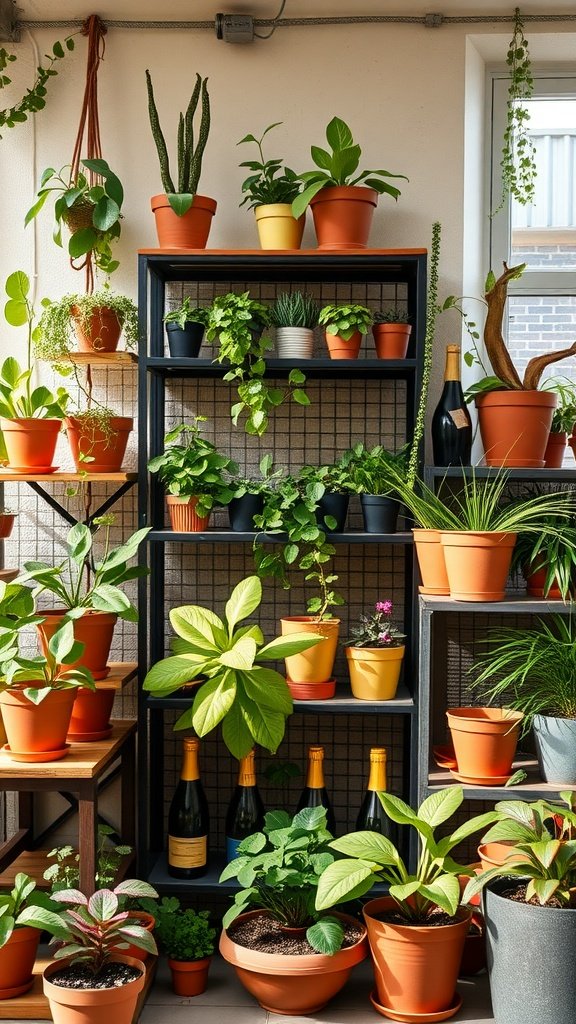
<point x="477" y="564"/>
<point x="6" y="524"/>
<point x="30" y="443"/>
<point x="374" y="671"/>
<point x="37" y="728"/>
<point x="515" y="427"/>
<point x="146" y="921"/>
<point x="91" y="715"/>
<point x="494" y="855"/>
<point x="314" y="665"/>
<point x="94" y="629"/>
<point x="17" y="959"/>
<point x="93" y="1005"/>
<point x="290" y="984"/>
<point x="187" y="232"/>
<point x="100" y="332"/>
<point x="189" y="977"/>
<point x="415" y="968"/>
<point x="555" y="451"/>
<point x="484" y="740"/>
<point x="294" y="342"/>
<point x="277" y="228"/>
<point x="431" y="562"/>
<point x="183" y="517"/>
<point x="391" y="340"/>
<point x="104" y="451"/>
<point x="339" y="348"/>
<point x="535" y="585"/>
<point x="343" y="216"/>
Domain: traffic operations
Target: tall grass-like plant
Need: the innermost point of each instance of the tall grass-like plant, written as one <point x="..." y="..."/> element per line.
<point x="294" y="309"/>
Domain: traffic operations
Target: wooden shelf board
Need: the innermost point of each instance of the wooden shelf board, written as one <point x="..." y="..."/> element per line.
<point x="84" y="760"/>
<point x="90" y="478"/>
<point x="292" y="253"/>
<point x="120" y="359"/>
<point x="121" y="672"/>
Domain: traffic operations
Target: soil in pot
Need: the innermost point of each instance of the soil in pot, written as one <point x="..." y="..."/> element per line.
<point x="111" y="976"/>
<point x="94" y="629"/>
<point x="266" y="935"/>
<point x="100" y="332"/>
<point x="17" y="958"/>
<point x="314" y="665"/>
<point x="37" y="728"/>
<point x="380" y="513"/>
<point x="515" y="427"/>
<point x="484" y="740"/>
<point x="95" y="450"/>
<point x="187" y="232"/>
<point x="185" y="343"/>
<point x="30" y="443"/>
<point x="343" y="216"/>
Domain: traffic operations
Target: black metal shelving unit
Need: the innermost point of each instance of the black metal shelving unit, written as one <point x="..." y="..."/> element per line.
<point x="405" y="269"/>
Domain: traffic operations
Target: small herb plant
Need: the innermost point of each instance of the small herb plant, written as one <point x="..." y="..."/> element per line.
<point x="345" y="320"/>
<point x="518" y="160"/>
<point x="181" y="934"/>
<point x="185" y="313"/>
<point x="96" y="925"/>
<point x="370" y="858"/>
<point x="194" y="468"/>
<point x="180" y="191"/>
<point x="280" y="869"/>
<point x="375" y="470"/>
<point x="55" y="337"/>
<point x="377" y="630"/>
<point x="25" y="907"/>
<point x="555" y="554"/>
<point x="64" y="872"/>
<point x="339" y="167"/>
<point x="392" y="315"/>
<point x="295" y="309"/>
<point x="270" y="182"/>
<point x="268" y="478"/>
<point x="564" y="416"/>
<point x="35" y="97"/>
<point x="335" y="478"/>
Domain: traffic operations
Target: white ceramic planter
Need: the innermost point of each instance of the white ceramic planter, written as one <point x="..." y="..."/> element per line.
<point x="294" y="342"/>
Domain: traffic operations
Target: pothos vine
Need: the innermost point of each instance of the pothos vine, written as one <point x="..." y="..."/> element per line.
<point x="34" y="98"/>
<point x="518" y="160"/>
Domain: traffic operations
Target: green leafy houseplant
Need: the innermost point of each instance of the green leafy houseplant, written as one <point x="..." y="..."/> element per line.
<point x="344" y="320"/>
<point x="180" y="191"/>
<point x="185" y="313"/>
<point x="295" y="309"/>
<point x="339" y="167"/>
<point x="377" y="630"/>
<point x="64" y="873"/>
<point x="391" y="315"/>
<point x="269" y="183"/>
<point x="34" y="98"/>
<point x="280" y="869"/>
<point x="24" y="906"/>
<point x="564" y="416"/>
<point x="264" y="485"/>
<point x="251" y="702"/>
<point x="55" y="337"/>
<point x="91" y="211"/>
<point x="194" y="468"/>
<point x="182" y="934"/>
<point x="375" y="470"/>
<point x="553" y="555"/>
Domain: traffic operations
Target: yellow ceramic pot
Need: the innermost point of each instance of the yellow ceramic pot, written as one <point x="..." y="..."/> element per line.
<point x="314" y="665"/>
<point x="374" y="671"/>
<point x="277" y="228"/>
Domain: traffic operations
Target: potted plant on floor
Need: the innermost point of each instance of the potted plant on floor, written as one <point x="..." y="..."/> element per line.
<point x="24" y="914"/>
<point x="294" y="315"/>
<point x="345" y="325"/>
<point x="374" y="653"/>
<point x="88" y="977"/>
<point x="269" y="191"/>
<point x="342" y="207"/>
<point x="251" y="702"/>
<point x="183" y="218"/>
<point x="85" y="323"/>
<point x="563" y="420"/>
<point x="186" y="938"/>
<point x="195" y="475"/>
<point x="250" y="495"/>
<point x="391" y="329"/>
<point x="417" y="932"/>
<point x="274" y="935"/>
<point x="373" y="473"/>
<point x="185" y="326"/>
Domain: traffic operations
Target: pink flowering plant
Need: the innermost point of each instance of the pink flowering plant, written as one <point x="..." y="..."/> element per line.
<point x="377" y="630"/>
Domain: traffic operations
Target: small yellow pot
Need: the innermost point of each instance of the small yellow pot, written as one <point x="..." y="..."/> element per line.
<point x="277" y="228"/>
<point x="314" y="665"/>
<point x="374" y="671"/>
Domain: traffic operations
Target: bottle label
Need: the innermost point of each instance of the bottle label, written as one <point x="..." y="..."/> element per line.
<point x="188" y="853"/>
<point x="459" y="418"/>
<point x="232" y="848"/>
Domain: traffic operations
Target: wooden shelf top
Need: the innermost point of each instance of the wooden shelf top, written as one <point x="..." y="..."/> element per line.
<point x="121" y="672"/>
<point x="83" y="761"/>
<point x="7" y="475"/>
<point x="35" y="862"/>
<point x="119" y="359"/>
<point x="267" y="253"/>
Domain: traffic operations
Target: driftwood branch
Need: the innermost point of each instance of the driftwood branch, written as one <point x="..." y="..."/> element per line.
<point x="493" y="340"/>
<point x="536" y="366"/>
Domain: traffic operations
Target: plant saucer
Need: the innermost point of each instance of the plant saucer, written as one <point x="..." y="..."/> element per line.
<point x="17" y="990"/>
<point x="36" y="756"/>
<point x="434" y="591"/>
<point x="417" y="1017"/>
<point x="445" y="756"/>
<point x="471" y="780"/>
<point x="36" y="470"/>
<point x="89" y="737"/>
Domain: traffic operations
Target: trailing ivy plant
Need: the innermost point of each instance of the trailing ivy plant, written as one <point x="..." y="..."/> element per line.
<point x="34" y="98"/>
<point x="518" y="160"/>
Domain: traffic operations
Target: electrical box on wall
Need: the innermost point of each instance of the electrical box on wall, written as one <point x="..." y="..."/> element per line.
<point x="235" y="28"/>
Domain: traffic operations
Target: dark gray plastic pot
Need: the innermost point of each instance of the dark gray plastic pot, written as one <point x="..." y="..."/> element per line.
<point x="242" y="511"/>
<point x="185" y="343"/>
<point x="334" y="505"/>
<point x="555" y="740"/>
<point x="530" y="959"/>
<point x="380" y="513"/>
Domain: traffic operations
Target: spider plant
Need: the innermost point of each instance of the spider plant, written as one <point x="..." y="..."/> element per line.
<point x="555" y="554"/>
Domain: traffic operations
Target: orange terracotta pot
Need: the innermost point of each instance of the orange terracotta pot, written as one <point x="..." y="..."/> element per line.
<point x="289" y="984"/>
<point x="484" y="740"/>
<point x="146" y="921"/>
<point x="100" y="332"/>
<point x="343" y="216"/>
<point x="183" y="517"/>
<point x="37" y="728"/>
<point x="496" y="854"/>
<point x="17" y="961"/>
<point x="474" y="954"/>
<point x="431" y="562"/>
<point x="374" y="671"/>
<point x="91" y="715"/>
<point x="515" y="427"/>
<point x="30" y="443"/>
<point x="415" y="968"/>
<point x="189" y="977"/>
<point x="391" y="340"/>
<point x="95" y="450"/>
<point x="188" y="232"/>
<point x="94" y="629"/>
<point x="6" y="524"/>
<point x="477" y="564"/>
<point x="314" y="665"/>
<point x="339" y="348"/>
<point x="93" y="1005"/>
<point x="535" y="582"/>
<point x="555" y="450"/>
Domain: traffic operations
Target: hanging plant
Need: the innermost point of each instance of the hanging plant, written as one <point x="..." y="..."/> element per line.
<point x="34" y="98"/>
<point x="518" y="160"/>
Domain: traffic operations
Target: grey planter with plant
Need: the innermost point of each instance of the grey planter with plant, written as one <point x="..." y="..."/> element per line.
<point x="345" y="324"/>
<point x="185" y="328"/>
<point x="295" y="315"/>
<point x="269" y="191"/>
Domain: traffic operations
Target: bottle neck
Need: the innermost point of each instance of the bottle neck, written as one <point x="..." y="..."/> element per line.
<point x="452" y="371"/>
<point x="377" y="781"/>
<point x="247" y="770"/>
<point x="190" y="770"/>
<point x="315" y="777"/>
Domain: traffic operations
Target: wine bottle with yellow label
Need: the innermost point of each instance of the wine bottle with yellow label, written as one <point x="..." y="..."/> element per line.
<point x="314" y="793"/>
<point x="188" y="819"/>
<point x="245" y="813"/>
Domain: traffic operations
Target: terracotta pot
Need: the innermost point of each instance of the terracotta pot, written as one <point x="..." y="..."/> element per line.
<point x="93" y="1005"/>
<point x="474" y="953"/>
<point x="484" y="740"/>
<point x="188" y="232"/>
<point x="294" y="342"/>
<point x="17" y="959"/>
<point x="6" y="524"/>
<point x="146" y="921"/>
<point x="374" y="671"/>
<point x="312" y="691"/>
<point x="339" y="348"/>
<point x="535" y="585"/>
<point x="183" y="518"/>
<point x="291" y="984"/>
<point x="415" y="968"/>
<point x="101" y="330"/>
<point x="91" y="715"/>
<point x="391" y="340"/>
<point x="190" y="977"/>
<point x="495" y="854"/>
<point x="555" y="450"/>
<point x="277" y="228"/>
<point x="314" y="665"/>
<point x="515" y="426"/>
<point x="30" y="443"/>
<point x="37" y="728"/>
<point x="477" y="564"/>
<point x="94" y="629"/>
<point x="103" y="450"/>
<point x="431" y="562"/>
<point x="343" y="216"/>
